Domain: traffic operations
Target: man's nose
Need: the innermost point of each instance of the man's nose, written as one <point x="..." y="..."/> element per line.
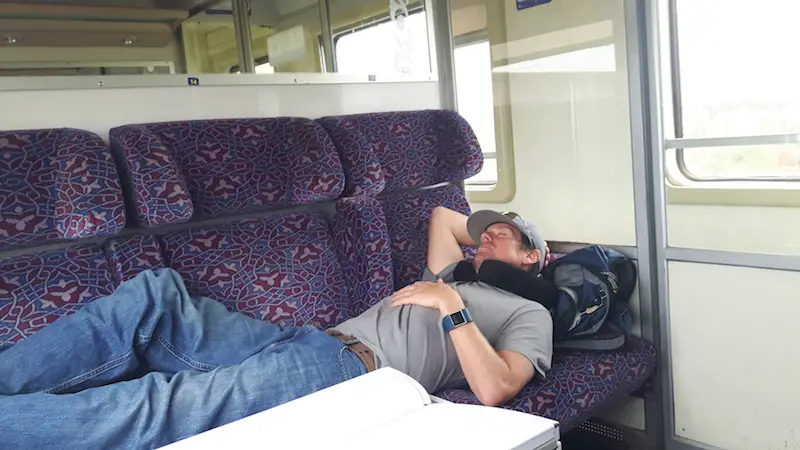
<point x="486" y="237"/>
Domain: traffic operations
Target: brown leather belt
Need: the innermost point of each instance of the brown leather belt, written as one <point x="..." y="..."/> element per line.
<point x="363" y="352"/>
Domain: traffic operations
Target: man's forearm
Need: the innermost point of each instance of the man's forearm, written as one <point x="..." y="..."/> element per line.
<point x="486" y="372"/>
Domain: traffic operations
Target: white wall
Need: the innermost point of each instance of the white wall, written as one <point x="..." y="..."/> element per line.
<point x="99" y="110"/>
<point x="571" y="133"/>
<point x="735" y="228"/>
<point x="734" y="356"/>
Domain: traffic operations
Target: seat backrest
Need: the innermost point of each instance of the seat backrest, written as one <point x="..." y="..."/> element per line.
<point x="284" y="267"/>
<point x="397" y="151"/>
<point x="362" y="237"/>
<point x="177" y="171"/>
<point x="55" y="185"/>
<point x="400" y="158"/>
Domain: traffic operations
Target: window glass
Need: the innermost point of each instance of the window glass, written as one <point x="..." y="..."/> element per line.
<point x="473" y="66"/>
<point x="398" y="47"/>
<point x="766" y="161"/>
<point x="738" y="76"/>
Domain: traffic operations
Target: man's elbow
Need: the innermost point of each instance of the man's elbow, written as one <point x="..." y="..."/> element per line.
<point x="495" y="395"/>
<point x="437" y="212"/>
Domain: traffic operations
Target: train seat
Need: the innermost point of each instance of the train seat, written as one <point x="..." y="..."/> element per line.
<point x="409" y="161"/>
<point x="283" y="263"/>
<point x="56" y="186"/>
<point x="401" y="159"/>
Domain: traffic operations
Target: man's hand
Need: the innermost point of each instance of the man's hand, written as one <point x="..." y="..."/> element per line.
<point x="438" y="295"/>
<point x="494" y="377"/>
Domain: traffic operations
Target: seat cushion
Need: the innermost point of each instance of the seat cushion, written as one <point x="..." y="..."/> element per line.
<point x="407" y="216"/>
<point x="393" y="151"/>
<point x="211" y="168"/>
<point x="37" y="289"/>
<point x="283" y="268"/>
<point x="57" y="184"/>
<point x="580" y="384"/>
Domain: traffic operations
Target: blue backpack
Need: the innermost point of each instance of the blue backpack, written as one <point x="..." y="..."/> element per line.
<point x="594" y="287"/>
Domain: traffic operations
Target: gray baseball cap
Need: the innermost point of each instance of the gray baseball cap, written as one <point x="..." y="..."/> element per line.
<point x="479" y="221"/>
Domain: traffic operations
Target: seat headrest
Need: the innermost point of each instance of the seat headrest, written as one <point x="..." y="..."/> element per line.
<point x="211" y="168"/>
<point x="57" y="184"/>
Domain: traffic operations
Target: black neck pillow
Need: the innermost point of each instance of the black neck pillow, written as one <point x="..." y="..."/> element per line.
<point x="511" y="279"/>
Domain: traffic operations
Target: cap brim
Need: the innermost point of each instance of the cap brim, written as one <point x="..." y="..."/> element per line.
<point x="479" y="221"/>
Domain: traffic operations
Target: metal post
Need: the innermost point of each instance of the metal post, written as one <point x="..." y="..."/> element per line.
<point x="645" y="138"/>
<point x="244" y="40"/>
<point x="327" y="35"/>
<point x="445" y="56"/>
<point x="657" y="205"/>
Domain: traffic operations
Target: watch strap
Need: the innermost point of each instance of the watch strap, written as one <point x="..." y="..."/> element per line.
<point x="457" y="319"/>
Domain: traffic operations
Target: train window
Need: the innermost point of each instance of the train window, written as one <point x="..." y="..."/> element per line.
<point x="734" y="74"/>
<point x="473" y="64"/>
<point x="262" y="66"/>
<point x="384" y="46"/>
<point x="757" y="162"/>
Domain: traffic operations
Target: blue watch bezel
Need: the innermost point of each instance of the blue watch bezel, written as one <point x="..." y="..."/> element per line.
<point x="449" y="324"/>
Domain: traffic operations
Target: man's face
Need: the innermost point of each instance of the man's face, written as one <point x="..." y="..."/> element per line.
<point x="503" y="242"/>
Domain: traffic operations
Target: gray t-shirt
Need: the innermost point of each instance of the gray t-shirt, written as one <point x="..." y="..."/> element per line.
<point x="411" y="339"/>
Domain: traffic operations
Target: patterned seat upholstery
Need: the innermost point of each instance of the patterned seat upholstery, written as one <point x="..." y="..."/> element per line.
<point x="177" y="171"/>
<point x="283" y="269"/>
<point x="37" y="289"/>
<point x="55" y="185"/>
<point x="394" y="157"/>
<point x="408" y="214"/>
<point x="362" y="238"/>
<point x="286" y="268"/>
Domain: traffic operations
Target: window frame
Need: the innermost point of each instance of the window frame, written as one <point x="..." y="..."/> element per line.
<point x="684" y="172"/>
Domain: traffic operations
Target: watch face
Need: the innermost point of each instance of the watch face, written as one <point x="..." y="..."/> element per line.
<point x="458" y="318"/>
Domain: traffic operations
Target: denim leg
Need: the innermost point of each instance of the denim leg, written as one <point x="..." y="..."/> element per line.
<point x="150" y="323"/>
<point x="157" y="409"/>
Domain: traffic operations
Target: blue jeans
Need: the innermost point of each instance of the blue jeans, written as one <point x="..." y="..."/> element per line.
<point x="149" y="365"/>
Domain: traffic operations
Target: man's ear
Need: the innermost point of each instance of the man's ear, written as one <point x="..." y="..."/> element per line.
<point x="532" y="256"/>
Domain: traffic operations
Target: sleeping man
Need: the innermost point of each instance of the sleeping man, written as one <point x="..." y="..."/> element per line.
<point x="149" y="364"/>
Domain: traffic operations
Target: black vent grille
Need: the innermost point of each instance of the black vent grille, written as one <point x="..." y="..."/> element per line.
<point x="600" y="429"/>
